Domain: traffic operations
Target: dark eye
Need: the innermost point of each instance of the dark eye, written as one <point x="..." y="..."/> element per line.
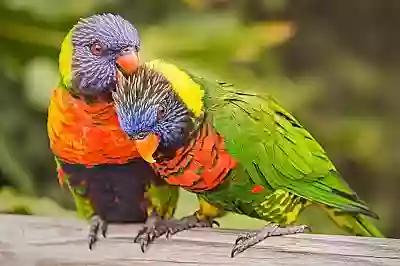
<point x="141" y="135"/>
<point x="126" y="50"/>
<point x="160" y="111"/>
<point x="97" y="49"/>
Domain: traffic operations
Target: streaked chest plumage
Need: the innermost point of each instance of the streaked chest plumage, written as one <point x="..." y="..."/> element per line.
<point x="86" y="133"/>
<point x="201" y="165"/>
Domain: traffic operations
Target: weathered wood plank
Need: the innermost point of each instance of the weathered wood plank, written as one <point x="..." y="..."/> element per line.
<point x="43" y="241"/>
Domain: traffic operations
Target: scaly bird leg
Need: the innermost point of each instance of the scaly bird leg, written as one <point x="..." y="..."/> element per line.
<point x="203" y="217"/>
<point x="188" y="222"/>
<point x="96" y="224"/>
<point x="153" y="229"/>
<point x="247" y="240"/>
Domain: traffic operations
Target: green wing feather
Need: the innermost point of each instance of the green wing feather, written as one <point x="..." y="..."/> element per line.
<point x="163" y="200"/>
<point x="83" y="206"/>
<point x="274" y="149"/>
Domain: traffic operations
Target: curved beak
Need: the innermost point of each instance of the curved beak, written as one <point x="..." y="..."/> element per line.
<point x="147" y="146"/>
<point x="128" y="61"/>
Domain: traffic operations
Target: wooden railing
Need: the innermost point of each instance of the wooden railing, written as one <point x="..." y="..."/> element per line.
<point x="44" y="241"/>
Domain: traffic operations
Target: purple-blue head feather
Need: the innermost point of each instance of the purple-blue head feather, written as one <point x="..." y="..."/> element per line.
<point x="97" y="41"/>
<point x="146" y="104"/>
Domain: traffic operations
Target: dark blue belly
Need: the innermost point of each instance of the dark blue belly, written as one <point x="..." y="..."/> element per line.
<point x="115" y="191"/>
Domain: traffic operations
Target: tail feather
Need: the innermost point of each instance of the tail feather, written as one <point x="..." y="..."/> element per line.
<point x="354" y="224"/>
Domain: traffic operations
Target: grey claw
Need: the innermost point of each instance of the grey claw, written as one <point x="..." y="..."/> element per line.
<point x="216" y="223"/>
<point x="150" y="232"/>
<point x="95" y="223"/>
<point x="143" y="244"/>
<point x="92" y="241"/>
<point x="139" y="234"/>
<point x="233" y="252"/>
<point x="104" y="227"/>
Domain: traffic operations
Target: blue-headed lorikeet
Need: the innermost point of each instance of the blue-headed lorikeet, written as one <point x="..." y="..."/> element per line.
<point x="240" y="151"/>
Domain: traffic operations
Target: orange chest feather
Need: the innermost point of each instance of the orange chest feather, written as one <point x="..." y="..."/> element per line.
<point x="201" y="165"/>
<point x="86" y="133"/>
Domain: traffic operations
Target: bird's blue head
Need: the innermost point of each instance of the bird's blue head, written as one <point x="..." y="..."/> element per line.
<point x="151" y="113"/>
<point x="96" y="51"/>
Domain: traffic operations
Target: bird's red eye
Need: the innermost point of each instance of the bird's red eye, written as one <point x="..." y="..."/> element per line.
<point x="97" y="49"/>
<point x="160" y="112"/>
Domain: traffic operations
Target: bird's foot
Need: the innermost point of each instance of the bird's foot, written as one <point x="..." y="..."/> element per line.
<point x="156" y="227"/>
<point x="247" y="240"/>
<point x="153" y="229"/>
<point x="188" y="222"/>
<point x="96" y="224"/>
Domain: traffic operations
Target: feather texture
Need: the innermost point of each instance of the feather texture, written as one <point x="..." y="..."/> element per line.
<point x="85" y="133"/>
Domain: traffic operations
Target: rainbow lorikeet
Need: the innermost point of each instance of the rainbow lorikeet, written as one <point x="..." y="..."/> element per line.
<point x="95" y="159"/>
<point x="240" y="151"/>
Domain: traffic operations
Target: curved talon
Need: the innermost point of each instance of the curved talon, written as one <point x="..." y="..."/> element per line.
<point x="168" y="234"/>
<point x="96" y="224"/>
<point x="153" y="229"/>
<point x="141" y="231"/>
<point x="216" y="223"/>
<point x="174" y="231"/>
<point x="143" y="240"/>
<point x="233" y="252"/>
<point x="104" y="227"/>
<point x="92" y="241"/>
<point x="143" y="244"/>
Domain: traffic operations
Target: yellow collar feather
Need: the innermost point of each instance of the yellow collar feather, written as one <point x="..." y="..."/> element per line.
<point x="188" y="90"/>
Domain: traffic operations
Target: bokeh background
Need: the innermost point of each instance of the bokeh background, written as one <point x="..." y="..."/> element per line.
<point x="334" y="64"/>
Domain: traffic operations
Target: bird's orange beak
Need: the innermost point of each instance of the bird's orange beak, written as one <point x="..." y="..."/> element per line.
<point x="147" y="146"/>
<point x="128" y="62"/>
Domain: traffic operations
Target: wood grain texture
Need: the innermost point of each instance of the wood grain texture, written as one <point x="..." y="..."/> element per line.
<point x="44" y="241"/>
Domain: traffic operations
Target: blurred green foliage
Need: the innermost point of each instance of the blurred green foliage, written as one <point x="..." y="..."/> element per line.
<point x="333" y="64"/>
